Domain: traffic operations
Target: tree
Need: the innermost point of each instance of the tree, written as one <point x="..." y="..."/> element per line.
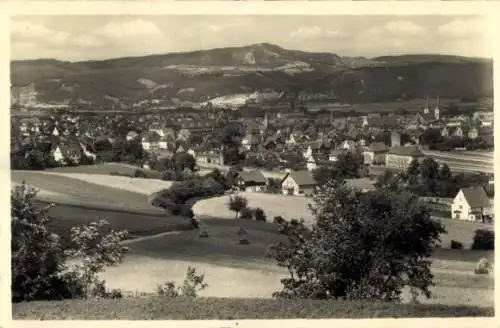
<point x="412" y="172"/>
<point x="237" y="203"/>
<point x="362" y="246"/>
<point x="41" y="262"/>
<point x="184" y="161"/>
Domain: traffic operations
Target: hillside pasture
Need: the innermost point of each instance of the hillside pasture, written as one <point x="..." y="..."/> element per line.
<point x="79" y="192"/>
<point x="136" y="185"/>
<point x="137" y="224"/>
<point x="105" y="168"/>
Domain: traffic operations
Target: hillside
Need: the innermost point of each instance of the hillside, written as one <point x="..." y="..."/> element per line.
<point x="195" y="77"/>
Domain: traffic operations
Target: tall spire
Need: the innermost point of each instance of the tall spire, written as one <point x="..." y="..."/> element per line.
<point x="426" y="108"/>
<point x="437" y="102"/>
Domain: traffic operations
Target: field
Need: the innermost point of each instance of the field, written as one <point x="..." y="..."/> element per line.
<point x="81" y="192"/>
<point x="105" y="168"/>
<point x="229" y="266"/>
<point x="157" y="308"/>
<point x="78" y="202"/>
<point x="240" y="272"/>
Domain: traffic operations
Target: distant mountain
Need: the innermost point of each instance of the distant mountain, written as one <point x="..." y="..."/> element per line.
<point x="260" y="72"/>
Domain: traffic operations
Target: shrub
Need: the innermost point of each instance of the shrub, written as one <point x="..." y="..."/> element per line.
<point x="244" y="241"/>
<point x="483" y="240"/>
<point x="482" y="267"/>
<point x="259" y="214"/>
<point x="246" y="214"/>
<point x="192" y="284"/>
<point x="278" y="219"/>
<point x="241" y="232"/>
<point x="40" y="267"/>
<point x="203" y="234"/>
<point x="456" y="245"/>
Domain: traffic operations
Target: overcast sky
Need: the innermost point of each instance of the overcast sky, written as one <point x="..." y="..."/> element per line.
<point x="75" y="38"/>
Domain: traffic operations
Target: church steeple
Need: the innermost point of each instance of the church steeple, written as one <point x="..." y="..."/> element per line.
<point x="265" y="124"/>
<point x="426" y="108"/>
<point x="436" y="110"/>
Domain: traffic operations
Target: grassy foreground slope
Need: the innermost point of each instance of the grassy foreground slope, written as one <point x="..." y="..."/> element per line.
<point x="229" y="309"/>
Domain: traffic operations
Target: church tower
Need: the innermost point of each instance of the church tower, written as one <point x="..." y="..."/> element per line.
<point x="426" y="108"/>
<point x="436" y="110"/>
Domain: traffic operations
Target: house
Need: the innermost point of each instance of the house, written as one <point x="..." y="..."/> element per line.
<point x="395" y="139"/>
<point x="132" y="135"/>
<point x="401" y="157"/>
<point x="473" y="133"/>
<point x="334" y="155"/>
<point x="471" y="204"/>
<point x="348" y="145"/>
<point x="249" y="142"/>
<point x="55" y="132"/>
<point x="361" y="184"/>
<point x="68" y="151"/>
<point x="298" y="183"/>
<point x="453" y="131"/>
<point x="151" y="141"/>
<point x="251" y="181"/>
<point x="375" y="154"/>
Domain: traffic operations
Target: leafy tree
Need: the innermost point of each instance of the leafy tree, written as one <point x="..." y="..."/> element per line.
<point x="362" y="246"/>
<point x="42" y="269"/>
<point x="323" y="174"/>
<point x="184" y="161"/>
<point x="349" y="165"/>
<point x="483" y="240"/>
<point x="237" y="204"/>
<point x="259" y="214"/>
<point x="412" y="172"/>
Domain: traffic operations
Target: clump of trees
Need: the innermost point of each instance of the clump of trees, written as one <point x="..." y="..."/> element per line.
<point x="362" y="246"/>
<point x="42" y="269"/>
<point x="430" y="180"/>
<point x="349" y="165"/>
<point x="181" y="195"/>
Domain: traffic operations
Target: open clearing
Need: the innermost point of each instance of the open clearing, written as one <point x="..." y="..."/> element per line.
<point x="289" y="207"/>
<point x="243" y="271"/>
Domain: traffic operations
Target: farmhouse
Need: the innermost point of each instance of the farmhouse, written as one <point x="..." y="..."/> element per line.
<point x="298" y="183"/>
<point x="251" y="181"/>
<point x="401" y="157"/>
<point x="471" y="204"/>
<point x="375" y="154"/>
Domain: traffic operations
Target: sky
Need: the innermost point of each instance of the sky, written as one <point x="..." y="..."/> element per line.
<point x="79" y="38"/>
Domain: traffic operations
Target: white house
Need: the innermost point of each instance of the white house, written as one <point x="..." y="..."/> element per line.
<point x="471" y="204"/>
<point x="298" y="183"/>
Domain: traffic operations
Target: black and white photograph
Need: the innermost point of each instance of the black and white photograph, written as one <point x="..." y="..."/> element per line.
<point x="251" y="166"/>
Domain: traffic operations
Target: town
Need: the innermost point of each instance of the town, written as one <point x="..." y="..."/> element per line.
<point x="250" y="181"/>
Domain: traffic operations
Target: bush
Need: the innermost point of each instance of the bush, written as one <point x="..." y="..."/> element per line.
<point x="244" y="241"/>
<point x="241" y="232"/>
<point x="203" y="234"/>
<point x="259" y="214"/>
<point x="482" y="267"/>
<point x="246" y="214"/>
<point x="483" y="240"/>
<point x="192" y="284"/>
<point x="278" y="219"/>
<point x="456" y="245"/>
